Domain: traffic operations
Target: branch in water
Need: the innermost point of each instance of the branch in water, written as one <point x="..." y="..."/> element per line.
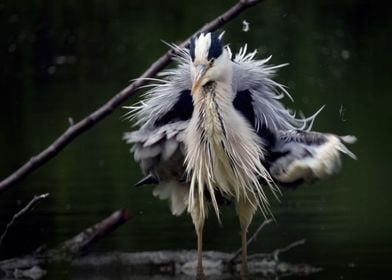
<point x="80" y="242"/>
<point x="67" y="250"/>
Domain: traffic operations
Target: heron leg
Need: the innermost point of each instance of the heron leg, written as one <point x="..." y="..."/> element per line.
<point x="198" y="221"/>
<point x="200" y="271"/>
<point x="245" y="212"/>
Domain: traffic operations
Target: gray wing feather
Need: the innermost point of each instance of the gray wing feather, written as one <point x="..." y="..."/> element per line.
<point x="160" y="98"/>
<point x="160" y="154"/>
<point x="256" y="76"/>
<point x="142" y="152"/>
<point x="158" y="147"/>
<point x="169" y="148"/>
<point x="152" y="145"/>
<point x="307" y="156"/>
<point x="297" y="154"/>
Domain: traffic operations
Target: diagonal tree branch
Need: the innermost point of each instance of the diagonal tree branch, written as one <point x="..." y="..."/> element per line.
<point x="78" y="128"/>
<point x="74" y="246"/>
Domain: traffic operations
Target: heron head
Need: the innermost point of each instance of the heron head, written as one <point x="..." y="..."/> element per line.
<point x="209" y="60"/>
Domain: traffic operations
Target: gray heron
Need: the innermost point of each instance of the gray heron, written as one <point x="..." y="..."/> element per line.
<point x="214" y="128"/>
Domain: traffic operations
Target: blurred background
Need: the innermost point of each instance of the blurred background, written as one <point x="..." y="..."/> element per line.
<point x="64" y="59"/>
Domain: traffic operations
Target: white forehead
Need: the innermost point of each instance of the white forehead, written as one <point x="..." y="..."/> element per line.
<point x="202" y="45"/>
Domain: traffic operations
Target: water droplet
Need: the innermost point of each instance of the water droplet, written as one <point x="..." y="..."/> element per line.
<point x="245" y="26"/>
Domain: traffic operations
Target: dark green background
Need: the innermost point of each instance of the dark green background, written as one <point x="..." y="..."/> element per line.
<point x="62" y="59"/>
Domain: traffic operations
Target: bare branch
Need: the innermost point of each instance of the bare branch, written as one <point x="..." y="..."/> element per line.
<point x="275" y="254"/>
<point x="24" y="210"/>
<point x="77" y="244"/>
<point x="66" y="251"/>
<point x="250" y="240"/>
<point x="78" y="128"/>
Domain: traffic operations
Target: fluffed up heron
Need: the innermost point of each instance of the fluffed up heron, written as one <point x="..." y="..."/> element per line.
<point x="214" y="129"/>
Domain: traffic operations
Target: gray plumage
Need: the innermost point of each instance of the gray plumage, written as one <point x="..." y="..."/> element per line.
<point x="214" y="125"/>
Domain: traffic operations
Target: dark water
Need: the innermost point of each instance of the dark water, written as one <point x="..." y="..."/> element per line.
<point x="63" y="59"/>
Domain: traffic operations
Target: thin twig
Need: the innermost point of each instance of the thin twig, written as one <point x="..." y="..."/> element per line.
<point x="24" y="210"/>
<point x="78" y="128"/>
<point x="275" y="253"/>
<point x="250" y="240"/>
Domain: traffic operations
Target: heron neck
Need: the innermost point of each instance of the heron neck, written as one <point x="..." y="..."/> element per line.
<point x="211" y="108"/>
<point x="222" y="150"/>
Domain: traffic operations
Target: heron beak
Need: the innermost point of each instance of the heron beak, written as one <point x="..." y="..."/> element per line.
<point x="200" y="71"/>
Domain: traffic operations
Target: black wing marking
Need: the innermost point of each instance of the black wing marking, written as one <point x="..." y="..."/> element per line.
<point x="243" y="103"/>
<point x="182" y="110"/>
<point x="154" y="145"/>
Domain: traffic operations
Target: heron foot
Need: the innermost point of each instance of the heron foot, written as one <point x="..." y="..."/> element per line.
<point x="244" y="272"/>
<point x="199" y="272"/>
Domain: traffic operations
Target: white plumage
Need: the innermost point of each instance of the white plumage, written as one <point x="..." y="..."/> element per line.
<point x="228" y="158"/>
<point x="214" y="127"/>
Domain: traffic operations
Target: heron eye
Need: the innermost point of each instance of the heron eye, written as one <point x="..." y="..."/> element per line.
<point x="212" y="60"/>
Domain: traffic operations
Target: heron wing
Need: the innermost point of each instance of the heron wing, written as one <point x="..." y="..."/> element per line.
<point x="294" y="153"/>
<point x="294" y="156"/>
<point x="304" y="156"/>
<point x="157" y="142"/>
<point x="159" y="150"/>
<point x="163" y="116"/>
